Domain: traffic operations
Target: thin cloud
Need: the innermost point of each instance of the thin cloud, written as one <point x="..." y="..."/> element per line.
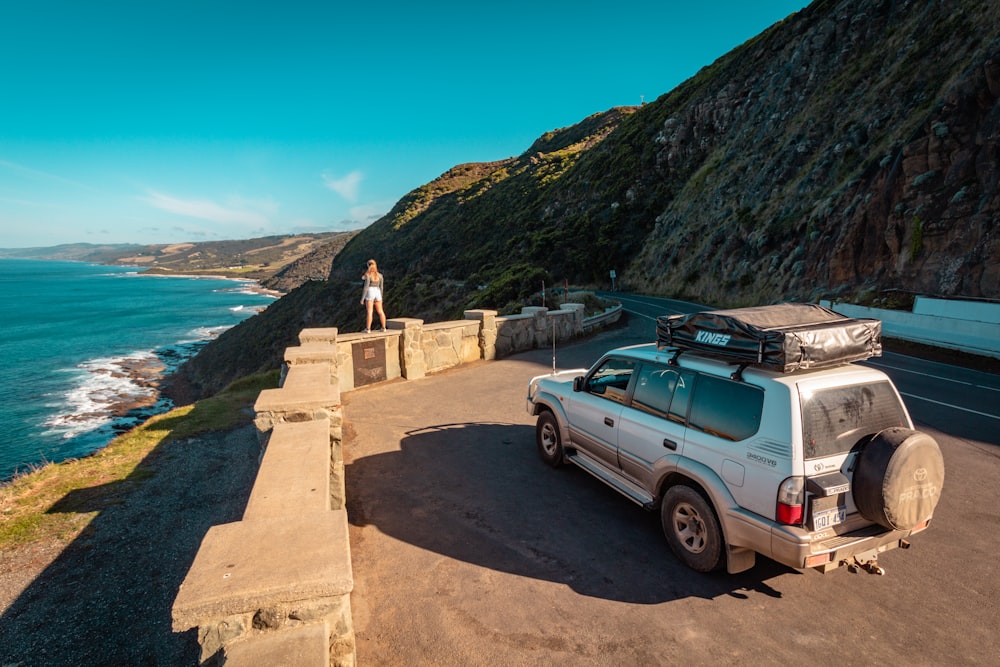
<point x="42" y="175"/>
<point x="347" y="187"/>
<point x="205" y="210"/>
<point x="369" y="213"/>
<point x="27" y="202"/>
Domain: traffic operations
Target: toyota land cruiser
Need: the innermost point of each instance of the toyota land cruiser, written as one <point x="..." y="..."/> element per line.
<point x="814" y="464"/>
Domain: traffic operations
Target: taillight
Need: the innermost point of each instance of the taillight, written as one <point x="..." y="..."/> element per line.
<point x="790" y="498"/>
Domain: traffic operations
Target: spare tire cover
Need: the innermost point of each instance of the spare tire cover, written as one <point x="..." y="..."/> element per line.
<point x="898" y="477"/>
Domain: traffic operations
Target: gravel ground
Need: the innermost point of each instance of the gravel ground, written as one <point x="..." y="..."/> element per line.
<point x="105" y="598"/>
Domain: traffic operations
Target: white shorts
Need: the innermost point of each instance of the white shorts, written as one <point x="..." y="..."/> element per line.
<point x="373" y="294"/>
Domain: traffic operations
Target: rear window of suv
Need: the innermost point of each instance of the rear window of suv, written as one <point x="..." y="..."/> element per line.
<point x="834" y="420"/>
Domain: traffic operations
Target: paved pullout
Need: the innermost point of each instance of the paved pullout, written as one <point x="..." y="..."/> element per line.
<point x="468" y="550"/>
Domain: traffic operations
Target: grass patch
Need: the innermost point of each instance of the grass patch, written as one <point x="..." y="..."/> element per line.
<point x="58" y="500"/>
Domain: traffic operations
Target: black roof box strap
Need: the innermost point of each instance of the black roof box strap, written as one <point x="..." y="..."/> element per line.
<point x="784" y="337"/>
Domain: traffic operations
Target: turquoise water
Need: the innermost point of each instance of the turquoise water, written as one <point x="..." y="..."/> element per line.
<point x="70" y="332"/>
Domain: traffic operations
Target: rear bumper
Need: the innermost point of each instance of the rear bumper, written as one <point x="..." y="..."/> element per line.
<point x="800" y="549"/>
<point x="833" y="552"/>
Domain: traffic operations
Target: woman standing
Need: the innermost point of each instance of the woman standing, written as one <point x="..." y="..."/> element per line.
<point x="371" y="294"/>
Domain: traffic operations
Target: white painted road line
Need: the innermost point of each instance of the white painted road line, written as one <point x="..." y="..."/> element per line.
<point x="949" y="405"/>
<point x="935" y="377"/>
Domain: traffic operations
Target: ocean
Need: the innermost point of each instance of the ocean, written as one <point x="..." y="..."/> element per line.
<point x="83" y="346"/>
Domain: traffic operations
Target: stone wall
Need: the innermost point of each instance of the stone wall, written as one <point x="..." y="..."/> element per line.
<point x="412" y="349"/>
<point x="274" y="588"/>
<point x="536" y="327"/>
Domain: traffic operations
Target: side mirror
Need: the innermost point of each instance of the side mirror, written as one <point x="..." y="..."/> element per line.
<point x="578" y="383"/>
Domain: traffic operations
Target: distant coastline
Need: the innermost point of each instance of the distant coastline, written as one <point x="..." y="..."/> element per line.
<point x="257" y="287"/>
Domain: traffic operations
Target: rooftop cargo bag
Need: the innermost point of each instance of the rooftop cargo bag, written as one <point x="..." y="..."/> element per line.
<point x="783" y="337"/>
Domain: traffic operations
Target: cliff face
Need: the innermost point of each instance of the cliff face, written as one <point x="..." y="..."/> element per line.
<point x="852" y="147"/>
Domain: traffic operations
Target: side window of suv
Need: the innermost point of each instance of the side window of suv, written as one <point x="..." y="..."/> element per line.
<point x="611" y="379"/>
<point x="682" y="397"/>
<point x="654" y="389"/>
<point x="725" y="408"/>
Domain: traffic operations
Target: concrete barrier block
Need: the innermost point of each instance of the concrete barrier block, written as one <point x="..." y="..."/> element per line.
<point x="311" y="353"/>
<point x="307" y="375"/>
<point x="298" y="400"/>
<point x="248" y="566"/>
<point x="294" y="474"/>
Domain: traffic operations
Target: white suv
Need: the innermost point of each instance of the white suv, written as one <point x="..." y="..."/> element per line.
<point x="814" y="467"/>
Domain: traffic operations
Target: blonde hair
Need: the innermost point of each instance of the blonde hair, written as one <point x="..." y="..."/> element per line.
<point x="372" y="269"/>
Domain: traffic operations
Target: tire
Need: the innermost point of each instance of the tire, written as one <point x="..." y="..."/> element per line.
<point x="692" y="529"/>
<point x="898" y="477"/>
<point x="548" y="439"/>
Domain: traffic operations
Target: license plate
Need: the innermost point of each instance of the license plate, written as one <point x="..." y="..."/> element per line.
<point x="827" y="518"/>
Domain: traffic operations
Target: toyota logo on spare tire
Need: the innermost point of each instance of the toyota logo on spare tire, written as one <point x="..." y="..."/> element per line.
<point x="920" y="474"/>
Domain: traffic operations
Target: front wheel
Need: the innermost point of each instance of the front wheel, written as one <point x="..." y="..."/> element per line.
<point x="692" y="530"/>
<point x="548" y="439"/>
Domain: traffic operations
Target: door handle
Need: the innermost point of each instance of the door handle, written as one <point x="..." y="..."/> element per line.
<point x="669" y="444"/>
<point x="609" y="421"/>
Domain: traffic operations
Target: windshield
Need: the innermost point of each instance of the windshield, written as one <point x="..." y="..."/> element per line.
<point x="833" y="420"/>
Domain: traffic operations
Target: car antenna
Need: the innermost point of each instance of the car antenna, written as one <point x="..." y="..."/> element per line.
<point x="553" y="346"/>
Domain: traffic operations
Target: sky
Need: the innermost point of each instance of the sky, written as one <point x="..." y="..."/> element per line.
<point x="165" y="122"/>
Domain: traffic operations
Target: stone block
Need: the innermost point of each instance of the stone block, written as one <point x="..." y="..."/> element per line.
<point x="412" y="364"/>
<point x="345" y="364"/>
<point x="487" y="331"/>
<point x="306" y="646"/>
<point x="318" y="335"/>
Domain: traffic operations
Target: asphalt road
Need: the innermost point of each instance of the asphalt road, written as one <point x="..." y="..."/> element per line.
<point x="468" y="550"/>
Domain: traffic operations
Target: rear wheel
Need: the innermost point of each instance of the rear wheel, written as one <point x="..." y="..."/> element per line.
<point x="549" y="441"/>
<point x="692" y="529"/>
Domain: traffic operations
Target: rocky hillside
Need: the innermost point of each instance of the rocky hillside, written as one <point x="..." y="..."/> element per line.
<point x="849" y="149"/>
<point x="313" y="264"/>
<point x="853" y="147"/>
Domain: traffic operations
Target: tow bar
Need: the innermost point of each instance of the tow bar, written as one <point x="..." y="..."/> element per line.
<point x="869" y="566"/>
<point x="868" y="561"/>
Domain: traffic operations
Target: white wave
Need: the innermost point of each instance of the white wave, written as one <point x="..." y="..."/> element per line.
<point x="104" y="386"/>
<point x="237" y="309"/>
<point x="251" y="289"/>
<point x="208" y="333"/>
